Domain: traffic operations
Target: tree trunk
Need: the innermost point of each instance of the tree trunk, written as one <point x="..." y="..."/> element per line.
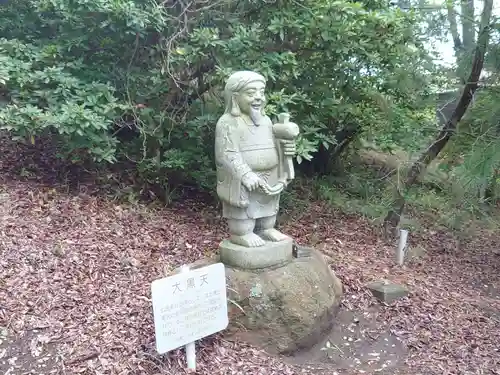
<point x="393" y="217"/>
<point x="326" y="161"/>
<point x="344" y="138"/>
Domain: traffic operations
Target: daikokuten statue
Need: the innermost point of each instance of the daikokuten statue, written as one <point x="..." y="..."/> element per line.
<point x="254" y="161"/>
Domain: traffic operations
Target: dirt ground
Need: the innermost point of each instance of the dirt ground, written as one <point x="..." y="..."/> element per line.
<point x="76" y="269"/>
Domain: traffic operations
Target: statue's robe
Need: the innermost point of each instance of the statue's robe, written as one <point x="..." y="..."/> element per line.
<point x="241" y="148"/>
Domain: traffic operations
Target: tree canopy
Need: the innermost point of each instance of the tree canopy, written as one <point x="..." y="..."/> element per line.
<point x="142" y="79"/>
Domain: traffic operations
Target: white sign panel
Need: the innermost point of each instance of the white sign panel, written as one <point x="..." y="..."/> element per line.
<point x="189" y="306"/>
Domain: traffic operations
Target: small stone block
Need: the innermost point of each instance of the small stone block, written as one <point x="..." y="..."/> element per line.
<point x="387" y="292"/>
<point x="269" y="255"/>
<point x="301" y="251"/>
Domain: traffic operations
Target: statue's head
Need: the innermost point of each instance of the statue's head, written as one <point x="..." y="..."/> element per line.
<point x="244" y="93"/>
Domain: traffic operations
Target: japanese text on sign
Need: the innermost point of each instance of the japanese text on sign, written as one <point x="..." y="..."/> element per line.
<point x="189" y="306"/>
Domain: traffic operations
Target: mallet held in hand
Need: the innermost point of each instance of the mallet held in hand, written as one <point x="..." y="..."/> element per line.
<point x="286" y="130"/>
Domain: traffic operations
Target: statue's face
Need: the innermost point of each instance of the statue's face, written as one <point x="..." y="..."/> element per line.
<point x="251" y="98"/>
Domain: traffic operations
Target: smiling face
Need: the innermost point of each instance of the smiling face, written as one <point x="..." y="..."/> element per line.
<point x="251" y="98"/>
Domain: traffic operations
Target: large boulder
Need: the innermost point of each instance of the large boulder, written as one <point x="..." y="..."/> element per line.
<point x="287" y="308"/>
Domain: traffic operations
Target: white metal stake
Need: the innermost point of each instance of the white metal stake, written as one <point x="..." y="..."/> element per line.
<point x="400" y="254"/>
<point x="191" y="347"/>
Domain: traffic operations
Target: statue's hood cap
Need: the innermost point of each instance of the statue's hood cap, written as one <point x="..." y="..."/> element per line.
<point x="238" y="80"/>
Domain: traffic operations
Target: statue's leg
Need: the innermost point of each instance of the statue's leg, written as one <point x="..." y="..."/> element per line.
<point x="241" y="231"/>
<point x="265" y="229"/>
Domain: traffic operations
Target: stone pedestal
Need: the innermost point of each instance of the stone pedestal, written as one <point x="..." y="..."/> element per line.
<point x="284" y="309"/>
<point x="272" y="254"/>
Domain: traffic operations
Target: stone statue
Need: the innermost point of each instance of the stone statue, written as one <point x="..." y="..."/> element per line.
<point x="289" y="293"/>
<point x="254" y="161"/>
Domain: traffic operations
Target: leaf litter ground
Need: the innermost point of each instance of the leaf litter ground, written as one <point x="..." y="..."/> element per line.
<point x="76" y="268"/>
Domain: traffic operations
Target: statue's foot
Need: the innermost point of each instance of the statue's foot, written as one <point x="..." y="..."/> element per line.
<point x="248" y="240"/>
<point x="273" y="235"/>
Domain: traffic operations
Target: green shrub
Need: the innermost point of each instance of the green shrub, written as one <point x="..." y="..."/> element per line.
<point x="141" y="80"/>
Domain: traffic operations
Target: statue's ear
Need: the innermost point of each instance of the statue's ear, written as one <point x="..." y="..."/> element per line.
<point x="235" y="108"/>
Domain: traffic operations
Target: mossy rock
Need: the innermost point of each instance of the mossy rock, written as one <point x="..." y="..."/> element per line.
<point x="285" y="309"/>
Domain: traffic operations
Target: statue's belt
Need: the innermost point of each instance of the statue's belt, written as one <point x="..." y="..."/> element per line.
<point x="254" y="147"/>
<point x="271" y="190"/>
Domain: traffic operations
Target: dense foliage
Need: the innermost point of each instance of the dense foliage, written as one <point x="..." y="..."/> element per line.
<point x="141" y="80"/>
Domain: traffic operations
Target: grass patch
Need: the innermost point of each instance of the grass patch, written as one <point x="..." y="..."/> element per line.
<point x="367" y="189"/>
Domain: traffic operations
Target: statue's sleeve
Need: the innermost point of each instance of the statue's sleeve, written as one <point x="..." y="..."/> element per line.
<point x="227" y="152"/>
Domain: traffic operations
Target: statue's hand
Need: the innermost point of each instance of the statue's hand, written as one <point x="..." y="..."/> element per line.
<point x="289" y="148"/>
<point x="251" y="181"/>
